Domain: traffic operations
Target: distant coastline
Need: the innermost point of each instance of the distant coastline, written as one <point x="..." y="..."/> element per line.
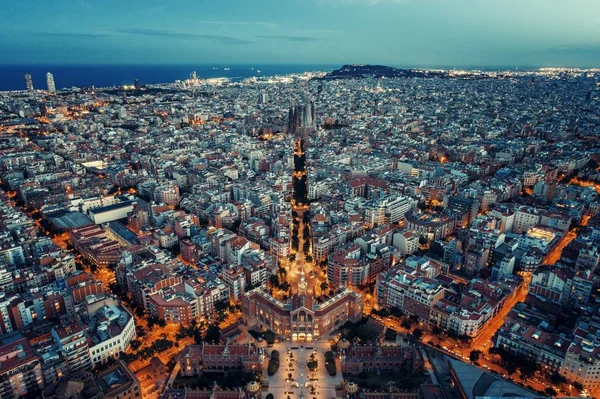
<point x="66" y="76"/>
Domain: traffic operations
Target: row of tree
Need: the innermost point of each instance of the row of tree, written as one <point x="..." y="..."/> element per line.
<point x="330" y="363"/>
<point x="273" y="363"/>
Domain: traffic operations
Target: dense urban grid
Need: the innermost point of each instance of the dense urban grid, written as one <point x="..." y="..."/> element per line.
<point x="424" y="234"/>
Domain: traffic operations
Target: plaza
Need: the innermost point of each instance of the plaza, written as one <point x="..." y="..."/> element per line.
<point x="304" y="383"/>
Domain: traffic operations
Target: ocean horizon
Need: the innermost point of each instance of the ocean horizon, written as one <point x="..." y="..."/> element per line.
<point x="67" y="76"/>
<point x="109" y="75"/>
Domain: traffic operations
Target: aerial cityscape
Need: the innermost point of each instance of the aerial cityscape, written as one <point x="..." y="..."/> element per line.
<point x="297" y="231"/>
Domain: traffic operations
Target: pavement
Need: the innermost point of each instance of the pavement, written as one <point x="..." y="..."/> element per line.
<point x="302" y="378"/>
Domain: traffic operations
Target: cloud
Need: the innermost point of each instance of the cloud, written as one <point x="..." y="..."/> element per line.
<point x="269" y="25"/>
<point x="291" y="38"/>
<point x="182" y="35"/>
<point x="70" y="35"/>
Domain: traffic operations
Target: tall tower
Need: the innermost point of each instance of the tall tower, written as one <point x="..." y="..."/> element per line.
<point x="50" y="83"/>
<point x="263" y="98"/>
<point x="28" y="82"/>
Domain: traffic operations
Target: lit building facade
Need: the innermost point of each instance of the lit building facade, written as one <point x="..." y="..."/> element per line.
<point x="301" y="318"/>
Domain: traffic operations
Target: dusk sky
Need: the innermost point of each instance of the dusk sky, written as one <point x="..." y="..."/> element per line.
<point x="393" y="32"/>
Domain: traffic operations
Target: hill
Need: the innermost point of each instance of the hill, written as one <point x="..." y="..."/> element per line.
<point x="378" y="71"/>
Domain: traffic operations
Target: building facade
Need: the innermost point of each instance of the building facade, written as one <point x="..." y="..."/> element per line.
<point x="301" y="318"/>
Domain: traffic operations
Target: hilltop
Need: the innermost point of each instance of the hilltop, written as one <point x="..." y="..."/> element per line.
<point x="378" y="71"/>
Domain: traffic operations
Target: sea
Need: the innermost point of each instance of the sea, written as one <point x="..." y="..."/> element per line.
<point x="67" y="76"/>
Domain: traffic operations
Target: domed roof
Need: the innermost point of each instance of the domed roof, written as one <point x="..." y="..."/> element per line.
<point x="351" y="387"/>
<point x="253" y="386"/>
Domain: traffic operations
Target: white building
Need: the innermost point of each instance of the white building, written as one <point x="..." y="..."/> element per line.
<point x="12" y="255"/>
<point x="582" y="362"/>
<point x="112" y="328"/>
<point x="111" y="213"/>
<point x="390" y="209"/>
<point x="525" y="218"/>
<point x="235" y="279"/>
<point x="407" y="242"/>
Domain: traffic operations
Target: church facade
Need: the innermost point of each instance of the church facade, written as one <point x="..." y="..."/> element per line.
<point x="301" y="318"/>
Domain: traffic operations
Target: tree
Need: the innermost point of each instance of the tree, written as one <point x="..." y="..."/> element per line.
<point x="363" y="333"/>
<point x="140" y="331"/>
<point x="417" y="333"/>
<point x="135" y="344"/>
<point x="306" y="247"/>
<point x="475" y="355"/>
<point x="274" y="354"/>
<point x="312" y="365"/>
<point x="273" y="366"/>
<point x="274" y="280"/>
<point x="557" y="378"/>
<point x="406" y="324"/>
<point x="577" y="385"/>
<point x="221" y="306"/>
<point x="436" y="330"/>
<point x="270" y="396"/>
<point x="162" y="344"/>
<point x="528" y="367"/>
<point x="510" y="368"/>
<point x="331" y="368"/>
<point x="550" y="391"/>
<point x="465" y="339"/>
<point x="221" y="316"/>
<point x="213" y="333"/>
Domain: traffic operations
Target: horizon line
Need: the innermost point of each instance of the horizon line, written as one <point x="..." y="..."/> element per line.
<point x="314" y="64"/>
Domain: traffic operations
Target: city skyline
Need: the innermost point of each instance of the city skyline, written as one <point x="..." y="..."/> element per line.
<point x="426" y="228"/>
<point x="463" y="33"/>
<point x="349" y="199"/>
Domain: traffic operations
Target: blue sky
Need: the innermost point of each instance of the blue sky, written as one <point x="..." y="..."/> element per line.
<point x="392" y="32"/>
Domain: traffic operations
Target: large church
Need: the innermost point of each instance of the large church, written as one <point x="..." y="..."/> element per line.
<point x="301" y="317"/>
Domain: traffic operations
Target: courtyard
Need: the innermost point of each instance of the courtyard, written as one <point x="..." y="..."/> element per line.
<point x="303" y="383"/>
